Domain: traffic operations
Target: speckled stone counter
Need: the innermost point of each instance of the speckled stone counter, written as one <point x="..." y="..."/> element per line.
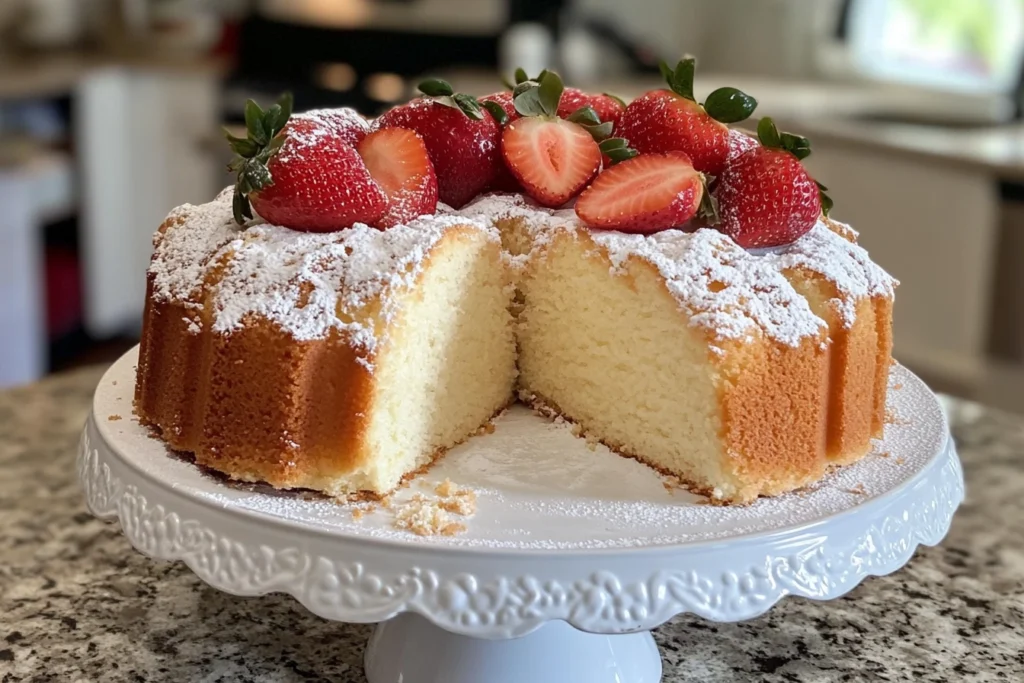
<point x="77" y="603"/>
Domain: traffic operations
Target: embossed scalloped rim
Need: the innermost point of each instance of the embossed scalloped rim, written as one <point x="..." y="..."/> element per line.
<point x="496" y="595"/>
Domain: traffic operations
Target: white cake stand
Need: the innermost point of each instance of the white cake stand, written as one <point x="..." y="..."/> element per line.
<point x="573" y="556"/>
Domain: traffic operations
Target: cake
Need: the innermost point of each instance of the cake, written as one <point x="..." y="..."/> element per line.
<point x="346" y="361"/>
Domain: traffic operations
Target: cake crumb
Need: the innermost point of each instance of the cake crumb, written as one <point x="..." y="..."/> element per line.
<point x="900" y="460"/>
<point x="857" y="490"/>
<point x="358" y="513"/>
<point x="114" y="383"/>
<point x="884" y="454"/>
<point x="428" y="516"/>
<point x="114" y="418"/>
<point x="453" y="529"/>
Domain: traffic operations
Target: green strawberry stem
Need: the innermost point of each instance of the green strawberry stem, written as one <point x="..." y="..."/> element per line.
<point x="726" y="105"/>
<point x="263" y="140"/>
<point x="442" y="92"/>
<point x="617" y="149"/>
<point x="797" y="145"/>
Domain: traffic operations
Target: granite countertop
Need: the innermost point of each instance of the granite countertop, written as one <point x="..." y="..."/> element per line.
<point x="77" y="603"/>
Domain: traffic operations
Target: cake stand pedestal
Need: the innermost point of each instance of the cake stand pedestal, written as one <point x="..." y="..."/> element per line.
<point x="574" y="554"/>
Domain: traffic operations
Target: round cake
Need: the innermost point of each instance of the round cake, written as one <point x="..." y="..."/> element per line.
<point x="353" y="338"/>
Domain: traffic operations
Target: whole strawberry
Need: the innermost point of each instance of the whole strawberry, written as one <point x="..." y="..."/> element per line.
<point x="462" y="139"/>
<point x="765" y="196"/>
<point x="673" y="121"/>
<point x="301" y="174"/>
<point x="608" y="107"/>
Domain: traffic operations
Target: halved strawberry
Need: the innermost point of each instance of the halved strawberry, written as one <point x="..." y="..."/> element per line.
<point x="646" y="194"/>
<point x="672" y="120"/>
<point x="302" y="175"/>
<point x="551" y="158"/>
<point x="765" y="195"/>
<point x="397" y="159"/>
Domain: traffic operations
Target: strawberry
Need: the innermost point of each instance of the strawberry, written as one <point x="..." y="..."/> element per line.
<point x="504" y="181"/>
<point x="608" y="107"/>
<point x="345" y="123"/>
<point x="397" y="159"/>
<point x="302" y="175"/>
<point x="765" y="196"/>
<point x="503" y="99"/>
<point x="464" y="141"/>
<point x="672" y="120"/>
<point x="739" y="142"/>
<point x="647" y="194"/>
<point x="551" y="157"/>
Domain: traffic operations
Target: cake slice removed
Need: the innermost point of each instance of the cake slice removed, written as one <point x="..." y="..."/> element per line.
<point x="340" y="362"/>
<point x="681" y="350"/>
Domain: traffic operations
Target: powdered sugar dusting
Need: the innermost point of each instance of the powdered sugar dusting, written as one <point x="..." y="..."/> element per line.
<point x="307" y="283"/>
<point x="723" y="289"/>
<point x="845" y="264"/>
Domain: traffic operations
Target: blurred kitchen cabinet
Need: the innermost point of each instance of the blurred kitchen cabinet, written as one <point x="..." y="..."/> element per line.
<point x="143" y="140"/>
<point x="22" y="337"/>
<point x="934" y="226"/>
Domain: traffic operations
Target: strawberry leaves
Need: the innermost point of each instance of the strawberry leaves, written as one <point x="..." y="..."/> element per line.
<point x="443" y="93"/>
<point x="617" y="149"/>
<point x="725" y="105"/>
<point x="587" y="117"/>
<point x="263" y="140"/>
<point x="680" y="79"/>
<point x="729" y="105"/>
<point x="539" y="97"/>
<point x="797" y="145"/>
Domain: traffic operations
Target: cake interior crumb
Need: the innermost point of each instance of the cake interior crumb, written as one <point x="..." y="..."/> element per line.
<point x="114" y="418"/>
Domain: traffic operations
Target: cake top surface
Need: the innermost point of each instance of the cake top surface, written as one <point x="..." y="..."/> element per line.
<point x="843" y="263"/>
<point x="300" y="281"/>
<point x="724" y="289"/>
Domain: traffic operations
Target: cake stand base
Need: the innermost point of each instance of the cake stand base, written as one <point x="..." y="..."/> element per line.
<point x="410" y="649"/>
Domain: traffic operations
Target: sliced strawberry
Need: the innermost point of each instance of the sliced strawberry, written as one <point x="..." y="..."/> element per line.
<point x="646" y="194"/>
<point x="553" y="159"/>
<point x="462" y="138"/>
<point x="397" y="159"/>
<point x="672" y="120"/>
<point x="301" y="174"/>
<point x="765" y="196"/>
<point x="608" y="108"/>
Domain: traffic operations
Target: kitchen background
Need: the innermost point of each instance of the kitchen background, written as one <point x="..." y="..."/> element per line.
<point x="110" y="115"/>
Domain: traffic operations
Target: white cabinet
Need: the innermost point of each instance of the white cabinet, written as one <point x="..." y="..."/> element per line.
<point x="144" y="147"/>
